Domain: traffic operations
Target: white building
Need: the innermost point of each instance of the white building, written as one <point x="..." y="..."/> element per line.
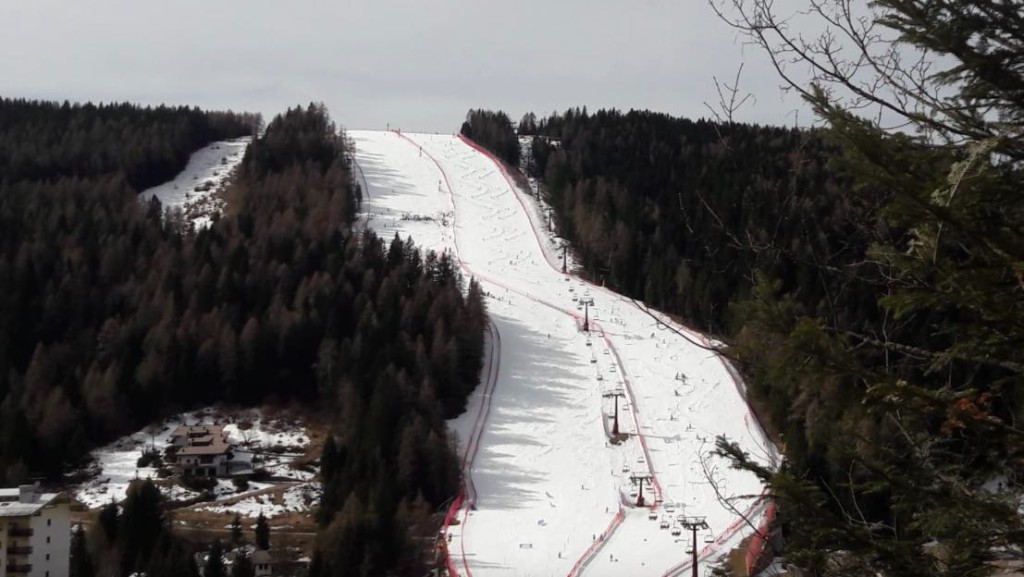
<point x="35" y="533"/>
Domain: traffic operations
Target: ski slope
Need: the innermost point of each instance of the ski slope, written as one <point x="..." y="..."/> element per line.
<point x="192" y="190"/>
<point x="547" y="492"/>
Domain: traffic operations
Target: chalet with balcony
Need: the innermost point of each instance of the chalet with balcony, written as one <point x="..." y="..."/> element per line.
<point x="202" y="450"/>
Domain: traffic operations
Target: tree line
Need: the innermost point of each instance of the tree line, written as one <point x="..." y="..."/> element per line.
<point x="45" y="141"/>
<point x="494" y="131"/>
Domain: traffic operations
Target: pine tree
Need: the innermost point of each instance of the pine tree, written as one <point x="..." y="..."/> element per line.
<point x="81" y="560"/>
<point x="109" y="520"/>
<point x="929" y="393"/>
<point x="236" y="530"/>
<point x="142" y="524"/>
<point x="243" y="566"/>
<point x="262" y="533"/>
<point x="215" y="561"/>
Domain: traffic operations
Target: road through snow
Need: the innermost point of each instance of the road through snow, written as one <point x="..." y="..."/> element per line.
<point x="544" y="484"/>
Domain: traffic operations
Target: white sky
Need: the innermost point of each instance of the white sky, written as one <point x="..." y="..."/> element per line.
<point x="415" y="64"/>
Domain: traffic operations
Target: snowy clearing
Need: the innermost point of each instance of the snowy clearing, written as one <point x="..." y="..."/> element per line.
<point x="114" y="466"/>
<point x="294" y="499"/>
<point x="193" y="189"/>
<point x="545" y="485"/>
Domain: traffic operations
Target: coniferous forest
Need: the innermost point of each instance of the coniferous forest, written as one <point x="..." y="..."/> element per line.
<point x="888" y="383"/>
<point x="493" y="130"/>
<point x="117" y="313"/>
<point x="702" y="219"/>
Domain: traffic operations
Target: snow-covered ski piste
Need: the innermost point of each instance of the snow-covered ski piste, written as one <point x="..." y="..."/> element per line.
<point x="548" y="489"/>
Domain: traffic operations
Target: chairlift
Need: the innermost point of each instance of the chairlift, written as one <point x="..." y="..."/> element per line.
<point x="606" y="351"/>
<point x="709" y="538"/>
<point x="625" y="468"/>
<point x="588" y="344"/>
<point x="653" y="515"/>
<point x="665" y="524"/>
<point x="593" y="359"/>
<point x="676" y="531"/>
<point x="600" y="377"/>
<point x="613" y="369"/>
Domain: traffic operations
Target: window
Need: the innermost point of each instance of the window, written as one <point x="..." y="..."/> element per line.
<point x="47" y="539"/>
<point x="47" y="556"/>
<point x="49" y="522"/>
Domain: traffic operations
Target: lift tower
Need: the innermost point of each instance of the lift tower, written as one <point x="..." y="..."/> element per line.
<point x="615" y="394"/>
<point x="586" y="313"/>
<point x="694" y="523"/>
<point x="639" y="479"/>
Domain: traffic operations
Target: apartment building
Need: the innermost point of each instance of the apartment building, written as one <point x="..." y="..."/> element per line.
<point x="35" y="533"/>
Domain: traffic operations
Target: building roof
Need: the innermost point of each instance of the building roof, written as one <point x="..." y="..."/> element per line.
<point x="261" y="556"/>
<point x="13" y="505"/>
<point x="199" y="431"/>
<point x="203" y="439"/>
<point x="217" y="447"/>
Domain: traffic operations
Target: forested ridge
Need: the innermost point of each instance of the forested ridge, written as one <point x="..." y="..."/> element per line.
<point x="116" y="313"/>
<point x="702" y="220"/>
<point x="492" y="130"/>
<point x="875" y="382"/>
<point x="44" y="141"/>
<point x="677" y="212"/>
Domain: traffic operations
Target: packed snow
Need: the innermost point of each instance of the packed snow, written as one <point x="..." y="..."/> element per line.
<point x="114" y="466"/>
<point x="193" y="189"/>
<point x="545" y="483"/>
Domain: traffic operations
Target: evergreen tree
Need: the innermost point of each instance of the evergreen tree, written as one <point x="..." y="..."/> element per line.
<point x="171" y="558"/>
<point x="920" y="475"/>
<point x="262" y="533"/>
<point x="242" y="567"/>
<point x="236" y="530"/>
<point x="215" y="561"/>
<point x="81" y="559"/>
<point x="109" y="520"/>
<point x="142" y="524"/>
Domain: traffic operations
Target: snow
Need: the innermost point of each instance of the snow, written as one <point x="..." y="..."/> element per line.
<point x="115" y="464"/>
<point x="192" y="190"/>
<point x="297" y="498"/>
<point x="543" y="481"/>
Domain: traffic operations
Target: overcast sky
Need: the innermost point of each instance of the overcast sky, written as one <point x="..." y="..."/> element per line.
<point x="411" y="63"/>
